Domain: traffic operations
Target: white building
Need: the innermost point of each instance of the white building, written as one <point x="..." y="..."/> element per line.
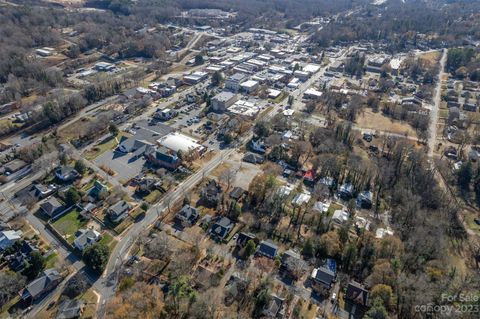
<point x="273" y="94"/>
<point x="223" y="100"/>
<point x="249" y="86"/>
<point x="86" y="238"/>
<point x="179" y="142"/>
<point x="340" y="216"/>
<point x="244" y="108"/>
<point x="312" y="94"/>
<point x="233" y="82"/>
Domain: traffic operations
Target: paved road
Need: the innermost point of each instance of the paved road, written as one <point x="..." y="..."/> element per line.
<point x="121" y="249"/>
<point x="106" y="286"/>
<point x="436" y="106"/>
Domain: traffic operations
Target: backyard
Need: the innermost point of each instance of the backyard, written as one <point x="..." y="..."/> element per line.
<point x="69" y="224"/>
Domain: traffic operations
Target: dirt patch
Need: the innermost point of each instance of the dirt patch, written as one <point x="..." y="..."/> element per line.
<point x="376" y="121"/>
<point x="431" y="57"/>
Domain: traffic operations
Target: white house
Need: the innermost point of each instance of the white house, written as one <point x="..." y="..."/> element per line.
<point x="86" y="238"/>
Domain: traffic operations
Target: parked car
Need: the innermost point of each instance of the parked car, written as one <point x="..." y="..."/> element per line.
<point x="334" y="297"/>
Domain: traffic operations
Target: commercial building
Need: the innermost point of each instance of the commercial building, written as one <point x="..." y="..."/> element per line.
<point x="312" y="94"/>
<point x="244" y="108"/>
<point x="195" y="77"/>
<point x="249" y="86"/>
<point x="223" y="100"/>
<point x="178" y="142"/>
<point x="233" y="82"/>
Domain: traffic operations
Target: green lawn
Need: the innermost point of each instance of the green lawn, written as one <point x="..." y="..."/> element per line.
<point x="153" y="196"/>
<point x="50" y="260"/>
<point x="69" y="224"/>
<point x="102" y="147"/>
<point x="108" y="240"/>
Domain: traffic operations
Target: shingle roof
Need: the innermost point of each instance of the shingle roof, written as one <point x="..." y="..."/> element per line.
<point x="268" y="249"/>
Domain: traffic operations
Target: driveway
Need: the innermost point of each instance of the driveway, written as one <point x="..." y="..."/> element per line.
<point x="126" y="166"/>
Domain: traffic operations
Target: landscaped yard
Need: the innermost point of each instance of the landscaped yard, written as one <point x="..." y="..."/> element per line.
<point x="69" y="224"/>
<point x="105" y="145"/>
<point x="51" y="260"/>
<point x="108" y="240"/>
<point x="153" y="196"/>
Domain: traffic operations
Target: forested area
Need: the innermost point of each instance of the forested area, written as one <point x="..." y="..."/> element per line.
<point x="413" y="267"/>
<point x="400" y="24"/>
<point x="464" y="63"/>
<point x="23" y="74"/>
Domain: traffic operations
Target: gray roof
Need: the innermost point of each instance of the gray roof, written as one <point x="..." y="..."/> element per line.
<point x="267" y="249"/>
<point x="39" y="285"/>
<point x="86" y="236"/>
<point x="324" y="276"/>
<point x="51" y="206"/>
<point x="70" y="309"/>
<point x="119" y="208"/>
<point x="238" y="77"/>
<point x="224" y="96"/>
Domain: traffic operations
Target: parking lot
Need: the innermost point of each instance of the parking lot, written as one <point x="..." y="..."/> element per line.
<point x="126" y="166"/>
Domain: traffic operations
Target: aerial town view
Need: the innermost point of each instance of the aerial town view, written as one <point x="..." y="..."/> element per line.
<point x="234" y="159"/>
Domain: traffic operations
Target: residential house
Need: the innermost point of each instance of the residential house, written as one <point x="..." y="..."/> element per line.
<point x="49" y="279"/>
<point x="301" y="199"/>
<point x="365" y="199"/>
<point x="14" y="166"/>
<point x="223" y="100"/>
<point x="66" y="173"/>
<point x="9" y="237"/>
<point x="221" y="228"/>
<point x="237" y="194"/>
<point x="51" y="207"/>
<point x="40" y="191"/>
<point x="243" y="238"/>
<point x="470" y="107"/>
<point x="309" y="177"/>
<point x="356" y="300"/>
<point x="258" y="146"/>
<point x="70" y="309"/>
<point x="292" y="264"/>
<point x="253" y="158"/>
<point x="267" y="249"/>
<point x="86" y="238"/>
<point x="165" y="114"/>
<point x="211" y="193"/>
<point x="187" y="216"/>
<point x="87" y="210"/>
<point x="322" y="280"/>
<point x="118" y="211"/>
<point x="340" y="216"/>
<point x="98" y="191"/>
<point x="147" y="185"/>
<point x="345" y="191"/>
<point x="275" y="308"/>
<point x="17" y="262"/>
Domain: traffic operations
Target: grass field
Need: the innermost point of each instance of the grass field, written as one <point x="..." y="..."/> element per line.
<point x="51" y="260"/>
<point x="69" y="224"/>
<point x="376" y="121"/>
<point x="105" y="145"/>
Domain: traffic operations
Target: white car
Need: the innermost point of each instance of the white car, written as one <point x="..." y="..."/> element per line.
<point x="334" y="297"/>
